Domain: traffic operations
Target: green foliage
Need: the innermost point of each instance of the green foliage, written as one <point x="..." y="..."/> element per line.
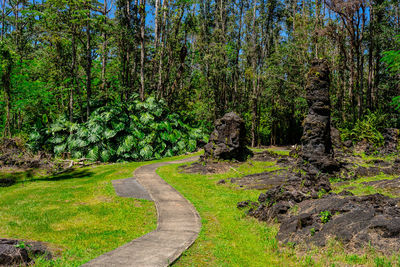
<point x="133" y="131"/>
<point x="22" y="245"/>
<point x="392" y="59"/>
<point x="312" y="231"/>
<point x="382" y="262"/>
<point x="325" y="216"/>
<point x="366" y="129"/>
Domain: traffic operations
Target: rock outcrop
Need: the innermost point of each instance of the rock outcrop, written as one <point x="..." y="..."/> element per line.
<point x="228" y="140"/>
<point x="20" y="253"/>
<point x="316" y="140"/>
<point x="303" y="202"/>
<point x="391" y="137"/>
<point x="356" y="221"/>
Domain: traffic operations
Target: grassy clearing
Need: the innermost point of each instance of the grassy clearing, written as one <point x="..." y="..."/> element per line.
<point x="276" y="150"/>
<point x="77" y="213"/>
<point x="229" y="238"/>
<point x="358" y="188"/>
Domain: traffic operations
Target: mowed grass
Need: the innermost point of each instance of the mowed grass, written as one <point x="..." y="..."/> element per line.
<point x="77" y="213"/>
<point x="230" y="238"/>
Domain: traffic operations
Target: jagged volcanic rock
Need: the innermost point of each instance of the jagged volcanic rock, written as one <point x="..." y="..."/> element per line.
<point x="228" y="140"/>
<point x="391" y="137"/>
<point x="19" y="253"/>
<point x="356" y="221"/>
<point x="303" y="203"/>
<point x="316" y="140"/>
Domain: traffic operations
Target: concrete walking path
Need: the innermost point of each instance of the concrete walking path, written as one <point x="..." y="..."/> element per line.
<point x="178" y="226"/>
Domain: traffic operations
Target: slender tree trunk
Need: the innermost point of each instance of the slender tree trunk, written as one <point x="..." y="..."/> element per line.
<point x="142" y="44"/>
<point x="104" y="53"/>
<point x="352" y="78"/>
<point x="157" y="25"/>
<point x="238" y="48"/>
<point x="160" y="89"/>
<point x="88" y="64"/>
<point x="71" y="90"/>
<point x="3" y="19"/>
<point x="254" y="99"/>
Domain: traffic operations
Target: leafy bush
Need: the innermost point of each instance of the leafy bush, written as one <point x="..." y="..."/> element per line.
<point x="366" y="129"/>
<point x="131" y="131"/>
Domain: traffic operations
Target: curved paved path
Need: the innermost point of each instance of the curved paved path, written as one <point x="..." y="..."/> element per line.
<point x="178" y="226"/>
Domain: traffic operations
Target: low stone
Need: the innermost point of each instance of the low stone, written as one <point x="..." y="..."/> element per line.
<point x="12" y="253"/>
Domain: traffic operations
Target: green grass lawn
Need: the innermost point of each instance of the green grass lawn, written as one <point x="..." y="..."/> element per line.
<point x="77" y="213"/>
<point x="277" y="150"/>
<point x="229" y="238"/>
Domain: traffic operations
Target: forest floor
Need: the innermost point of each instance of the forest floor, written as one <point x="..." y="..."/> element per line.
<point x="80" y="217"/>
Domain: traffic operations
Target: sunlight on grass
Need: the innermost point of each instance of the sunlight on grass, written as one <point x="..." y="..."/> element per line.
<point x="358" y="188"/>
<point x="77" y="213"/>
<point x="230" y="238"/>
<point x="276" y="150"/>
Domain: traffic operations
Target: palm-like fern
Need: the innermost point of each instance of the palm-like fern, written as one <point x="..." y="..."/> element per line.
<point x="133" y="131"/>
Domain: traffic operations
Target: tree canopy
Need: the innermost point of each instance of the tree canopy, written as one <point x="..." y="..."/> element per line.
<point x="70" y="63"/>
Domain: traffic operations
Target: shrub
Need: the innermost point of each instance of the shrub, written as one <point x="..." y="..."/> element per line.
<point x="131" y="131"/>
<point x="366" y="129"/>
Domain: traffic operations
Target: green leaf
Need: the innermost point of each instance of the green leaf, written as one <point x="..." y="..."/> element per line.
<point x="93" y="153"/>
<point x="146" y="152"/>
<point x="109" y="133"/>
<point x="126" y="145"/>
<point x="192" y="145"/>
<point x="146" y="118"/>
<point x="59" y="149"/>
<point x="106" y="155"/>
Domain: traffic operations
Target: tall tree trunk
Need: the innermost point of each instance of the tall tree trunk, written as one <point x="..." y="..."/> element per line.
<point x="235" y="99"/>
<point x="160" y="89"/>
<point x="254" y="98"/>
<point x="3" y="19"/>
<point x="104" y="52"/>
<point x="88" y="63"/>
<point x="157" y="25"/>
<point x="142" y="44"/>
<point x="73" y="78"/>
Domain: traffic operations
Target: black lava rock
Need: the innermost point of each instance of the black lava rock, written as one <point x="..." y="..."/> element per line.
<point x="228" y="140"/>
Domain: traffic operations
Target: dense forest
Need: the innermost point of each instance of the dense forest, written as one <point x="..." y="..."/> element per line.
<point x="97" y="79"/>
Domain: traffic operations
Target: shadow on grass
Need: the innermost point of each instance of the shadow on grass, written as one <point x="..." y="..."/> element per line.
<point x="9" y="179"/>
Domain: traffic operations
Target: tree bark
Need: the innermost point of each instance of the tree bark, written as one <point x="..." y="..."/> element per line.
<point x="142" y="48"/>
<point x="254" y="98"/>
<point x="104" y="52"/>
<point x="88" y="63"/>
<point x="73" y="66"/>
<point x="3" y="19"/>
<point x="160" y="89"/>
